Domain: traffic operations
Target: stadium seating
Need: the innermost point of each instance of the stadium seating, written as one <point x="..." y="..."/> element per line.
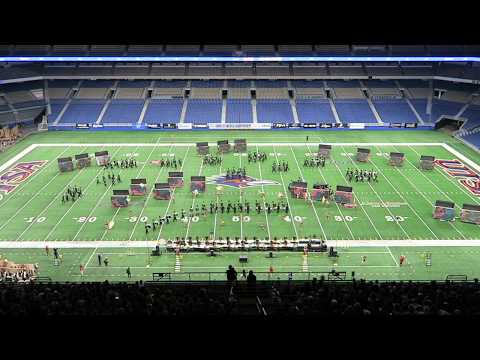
<point x="123" y="111"/>
<point x="395" y="110"/>
<point x="274" y="111"/>
<point x="472" y="113"/>
<point x="239" y="111"/>
<point x="420" y="106"/>
<point x="444" y="107"/>
<point x="354" y="111"/>
<point x="56" y="107"/>
<point x="203" y="111"/>
<point x="314" y="110"/>
<point x="82" y="111"/>
<point x="163" y="111"/>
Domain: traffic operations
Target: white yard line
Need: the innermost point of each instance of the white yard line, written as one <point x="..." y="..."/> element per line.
<point x="34" y="176"/>
<point x="393" y="257"/>
<point x="358" y="201"/>
<point x="240" y="195"/>
<point x="137" y="175"/>
<point x="338" y="207"/>
<point x="435" y="185"/>
<point x="286" y="197"/>
<point x="451" y="179"/>
<point x="81" y="244"/>
<point x="379" y="198"/>
<point x="264" y="204"/>
<point x="456" y="153"/>
<point x="288" y="144"/>
<point x="309" y="198"/>
<point x="217" y="198"/>
<point x="399" y="194"/>
<point x="173" y="194"/>
<point x="193" y="205"/>
<point x="148" y="197"/>
<point x="57" y="196"/>
<point x="76" y="202"/>
<point x="29" y="201"/>
<point x="92" y="210"/>
<point x="17" y="157"/>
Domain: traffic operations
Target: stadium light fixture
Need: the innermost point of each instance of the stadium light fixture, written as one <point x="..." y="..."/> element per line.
<point x="13" y="59"/>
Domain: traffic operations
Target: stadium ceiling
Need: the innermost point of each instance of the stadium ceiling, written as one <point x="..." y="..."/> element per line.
<point x="20" y="59"/>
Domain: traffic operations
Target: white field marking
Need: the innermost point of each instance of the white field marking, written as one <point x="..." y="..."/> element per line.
<point x="264" y="204"/>
<point x="383" y="204"/>
<point x="146" y="201"/>
<point x="30" y="179"/>
<point x="17" y="157"/>
<point x="90" y="258"/>
<point x="29" y="201"/>
<point x="311" y="202"/>
<point x="395" y="189"/>
<point x="57" y="196"/>
<point x="359" y="203"/>
<point x="240" y="195"/>
<point x="93" y="209"/>
<point x="393" y="257"/>
<point x="451" y="179"/>
<point x="251" y="144"/>
<point x="186" y="268"/>
<point x="431" y="182"/>
<point x="286" y="197"/>
<point x="216" y="212"/>
<point x="193" y="204"/>
<point x="457" y="154"/>
<point x="91" y="244"/>
<point x="76" y="202"/>
<point x="338" y="207"/>
<point x="49" y="204"/>
<point x="173" y="194"/>
<point x="137" y="175"/>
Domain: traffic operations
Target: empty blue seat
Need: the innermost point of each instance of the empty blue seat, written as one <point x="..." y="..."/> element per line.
<point x="123" y="111"/>
<point x="314" y="110"/>
<point x="163" y="111"/>
<point x="83" y="111"/>
<point x="203" y="111"/>
<point x="274" y="111"/>
<point x="239" y="111"/>
<point x="395" y="111"/>
<point x="354" y="111"/>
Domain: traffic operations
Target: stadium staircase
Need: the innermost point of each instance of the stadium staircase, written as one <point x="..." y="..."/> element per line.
<point x="184" y="110"/>
<point x="254" y="110"/>
<point x="144" y="110"/>
<point x="249" y="299"/>
<point x="224" y="111"/>
<point x="64" y="109"/>
<point x="294" y="111"/>
<point x="334" y="111"/>
<point x="370" y="103"/>
<point x="430" y="99"/>
<point x="407" y="99"/>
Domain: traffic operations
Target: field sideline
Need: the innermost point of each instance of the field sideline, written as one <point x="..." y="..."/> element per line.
<point x="392" y="216"/>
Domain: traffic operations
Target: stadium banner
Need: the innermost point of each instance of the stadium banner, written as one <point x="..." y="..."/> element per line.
<point x="294" y="125"/>
<point x="199" y="126"/>
<point x="396" y="125"/>
<point x="357" y="126"/>
<point x="411" y="125"/>
<point x="96" y="126"/>
<point x="309" y="125"/>
<point x="154" y="126"/>
<point x="239" y="126"/>
<point x="325" y="125"/>
<point x="279" y="125"/>
<point x="169" y="126"/>
<point x="184" y="126"/>
<point x="82" y="126"/>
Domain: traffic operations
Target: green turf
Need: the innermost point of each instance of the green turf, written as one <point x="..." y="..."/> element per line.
<point x="33" y="212"/>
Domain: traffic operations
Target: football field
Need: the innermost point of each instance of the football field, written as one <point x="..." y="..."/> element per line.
<point x="392" y="217"/>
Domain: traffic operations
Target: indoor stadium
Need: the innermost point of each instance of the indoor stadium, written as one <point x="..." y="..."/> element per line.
<point x="231" y="174"/>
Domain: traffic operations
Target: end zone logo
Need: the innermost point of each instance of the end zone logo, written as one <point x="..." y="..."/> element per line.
<point x="18" y="174"/>
<point x="466" y="176"/>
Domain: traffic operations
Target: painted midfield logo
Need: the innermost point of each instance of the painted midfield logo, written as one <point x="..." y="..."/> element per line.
<point x="244" y="182"/>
